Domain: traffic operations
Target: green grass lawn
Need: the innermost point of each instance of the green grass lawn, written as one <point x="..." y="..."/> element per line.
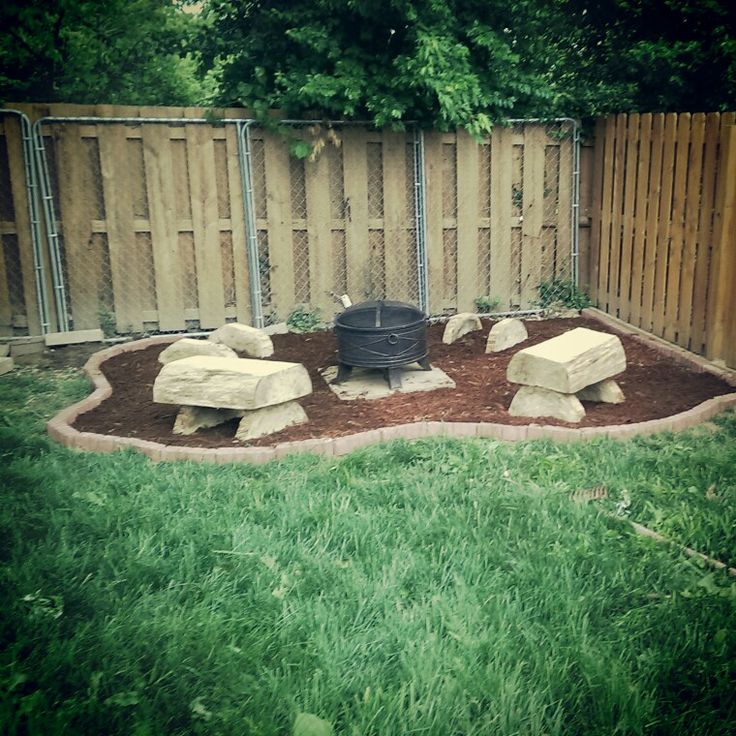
<point x="440" y="587"/>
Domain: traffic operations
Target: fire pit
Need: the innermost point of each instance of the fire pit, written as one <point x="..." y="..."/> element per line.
<point x="381" y="334"/>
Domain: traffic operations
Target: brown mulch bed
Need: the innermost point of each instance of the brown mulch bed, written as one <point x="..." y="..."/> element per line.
<point x="654" y="385"/>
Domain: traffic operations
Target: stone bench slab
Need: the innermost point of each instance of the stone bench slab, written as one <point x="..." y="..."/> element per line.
<point x="230" y="383"/>
<point x="569" y="362"/>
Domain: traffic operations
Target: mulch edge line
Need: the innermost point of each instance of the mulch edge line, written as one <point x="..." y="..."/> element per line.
<point x="59" y="427"/>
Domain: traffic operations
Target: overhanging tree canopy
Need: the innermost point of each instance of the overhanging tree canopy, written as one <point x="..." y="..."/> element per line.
<point x="469" y="62"/>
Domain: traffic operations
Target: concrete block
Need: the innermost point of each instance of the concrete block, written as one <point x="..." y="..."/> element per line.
<point x="74" y="337"/>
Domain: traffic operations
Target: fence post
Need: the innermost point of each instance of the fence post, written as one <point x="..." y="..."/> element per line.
<point x="721" y="328"/>
<point x="251" y="233"/>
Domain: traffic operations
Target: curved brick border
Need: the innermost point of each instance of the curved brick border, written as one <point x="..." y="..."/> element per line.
<point x="60" y="429"/>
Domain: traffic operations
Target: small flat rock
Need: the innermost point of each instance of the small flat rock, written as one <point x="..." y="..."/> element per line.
<point x="459" y="325"/>
<point x="307" y="724"/>
<point x="6" y="365"/>
<point x="370" y="384"/>
<point x="188" y="347"/>
<point x="249" y="341"/>
<point x="190" y="419"/>
<point x="569" y="362"/>
<point x="505" y="334"/>
<point x="230" y="383"/>
<point x="606" y="392"/>
<point x="270" y="419"/>
<point x="4" y="350"/>
<point x="534" y="401"/>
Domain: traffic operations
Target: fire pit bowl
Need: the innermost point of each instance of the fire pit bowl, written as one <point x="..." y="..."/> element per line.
<point x="381" y="334"/>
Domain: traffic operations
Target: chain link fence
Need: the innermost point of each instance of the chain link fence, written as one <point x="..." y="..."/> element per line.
<point x="334" y="211"/>
<point x="502" y="218"/>
<point x="145" y="223"/>
<point x="176" y="224"/>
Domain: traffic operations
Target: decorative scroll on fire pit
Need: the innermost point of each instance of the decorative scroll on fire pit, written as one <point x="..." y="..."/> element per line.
<point x="381" y="334"/>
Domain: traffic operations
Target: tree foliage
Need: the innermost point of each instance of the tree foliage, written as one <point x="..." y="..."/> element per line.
<point x="97" y="51"/>
<point x="469" y="62"/>
<point x="443" y="63"/>
<point x="646" y="56"/>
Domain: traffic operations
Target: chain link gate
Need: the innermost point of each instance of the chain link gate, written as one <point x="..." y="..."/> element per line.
<point x="175" y="224"/>
<point x="502" y="217"/>
<point x="144" y="222"/>
<point x="342" y="217"/>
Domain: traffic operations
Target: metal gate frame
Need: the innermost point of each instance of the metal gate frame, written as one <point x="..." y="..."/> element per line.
<point x="41" y="171"/>
<point x="250" y="205"/>
<point x="32" y="197"/>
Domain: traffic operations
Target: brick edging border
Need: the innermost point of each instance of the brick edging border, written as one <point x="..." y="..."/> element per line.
<point x="59" y="428"/>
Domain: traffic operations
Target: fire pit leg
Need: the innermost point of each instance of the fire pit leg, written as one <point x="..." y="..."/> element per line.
<point x="343" y="372"/>
<point x="424" y="364"/>
<point x="393" y="377"/>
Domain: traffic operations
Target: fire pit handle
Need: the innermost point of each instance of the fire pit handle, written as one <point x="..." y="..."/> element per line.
<point x="392" y="339"/>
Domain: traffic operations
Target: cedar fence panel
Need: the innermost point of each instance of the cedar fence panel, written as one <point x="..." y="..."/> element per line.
<point x="663" y="241"/>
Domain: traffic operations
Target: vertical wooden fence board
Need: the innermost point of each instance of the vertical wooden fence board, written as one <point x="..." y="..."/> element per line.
<point x="205" y="225"/>
<point x="638" y="244"/>
<point x="355" y="170"/>
<point x="596" y="221"/>
<point x="16" y="167"/>
<point x="722" y="307"/>
<point x="665" y="223"/>
<point x="76" y="227"/>
<point x="531" y="228"/>
<point x="677" y="232"/>
<point x="705" y="230"/>
<point x="395" y="215"/>
<point x="320" y="233"/>
<point x="563" y="216"/>
<point x="693" y="212"/>
<point x="433" y="173"/>
<point x="653" y="198"/>
<point x="585" y="247"/>
<point x="126" y="266"/>
<point x="279" y="218"/>
<point x="164" y="231"/>
<point x="629" y="213"/>
<point x="617" y="204"/>
<point x="501" y="271"/>
<point x="609" y="166"/>
<point x="467" y="222"/>
<point x="237" y="224"/>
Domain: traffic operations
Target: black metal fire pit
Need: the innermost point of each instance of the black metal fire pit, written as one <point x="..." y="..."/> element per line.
<point x="381" y="334"/>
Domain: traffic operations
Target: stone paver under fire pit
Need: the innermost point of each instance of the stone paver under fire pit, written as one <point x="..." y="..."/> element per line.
<point x="370" y="383"/>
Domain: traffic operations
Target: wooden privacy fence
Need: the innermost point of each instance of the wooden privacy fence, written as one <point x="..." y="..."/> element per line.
<point x="152" y="219"/>
<point x="151" y="223"/>
<point x="663" y="241"/>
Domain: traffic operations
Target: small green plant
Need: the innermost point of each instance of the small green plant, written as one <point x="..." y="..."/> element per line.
<point x="301" y="319"/>
<point x="566" y="293"/>
<point x="486" y="304"/>
<point x="108" y="323"/>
